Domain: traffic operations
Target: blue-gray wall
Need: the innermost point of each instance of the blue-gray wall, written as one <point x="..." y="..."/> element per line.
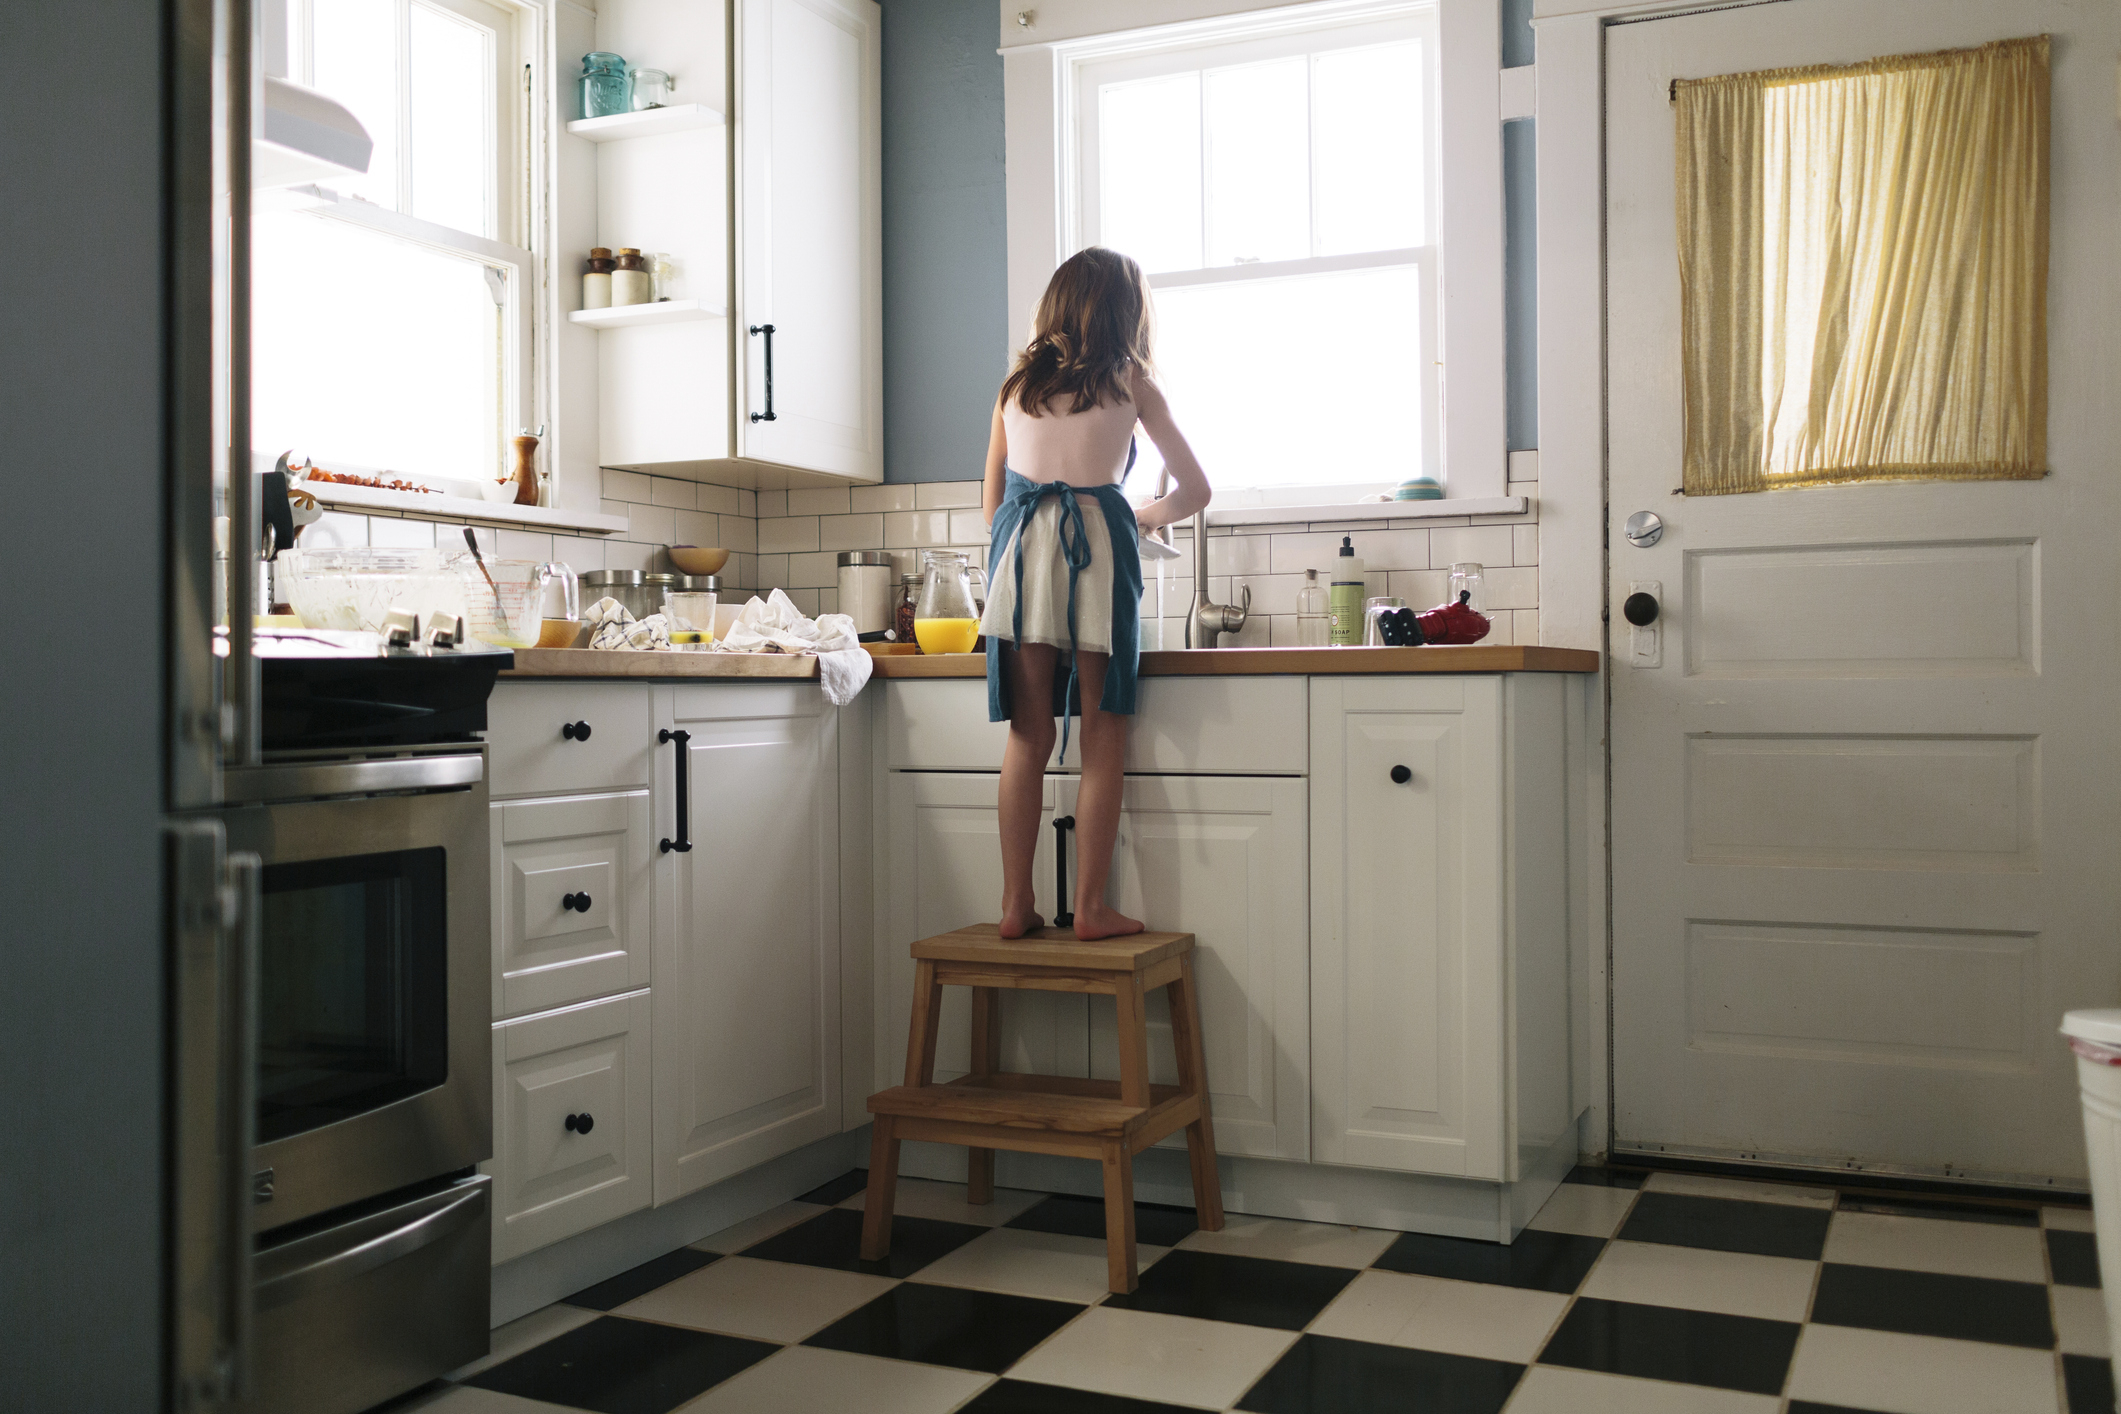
<point x="946" y="287"/>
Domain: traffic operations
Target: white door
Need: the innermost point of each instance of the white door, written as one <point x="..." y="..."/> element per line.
<point x="810" y="220"/>
<point x="1863" y="808"/>
<point x="747" y="965"/>
<point x="1223" y="859"/>
<point x="1407" y="881"/>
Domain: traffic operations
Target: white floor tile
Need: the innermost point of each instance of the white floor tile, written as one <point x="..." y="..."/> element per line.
<point x="520" y="1334"/>
<point x="1145" y="1355"/>
<point x="2067" y="1219"/>
<point x="1937" y="1245"/>
<point x="1708" y="1186"/>
<point x="1043" y="1264"/>
<point x="783" y="1301"/>
<point x="2080" y="1320"/>
<point x="738" y="1236"/>
<point x="945" y="1202"/>
<point x="1430" y="1313"/>
<point x="1584" y="1210"/>
<point x="1697" y="1279"/>
<point x="801" y="1380"/>
<point x="1326" y="1244"/>
<point x="463" y="1399"/>
<point x="1919" y="1374"/>
<point x="1550" y="1389"/>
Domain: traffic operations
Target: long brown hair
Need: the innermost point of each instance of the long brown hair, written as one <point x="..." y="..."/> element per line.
<point x="1093" y="323"/>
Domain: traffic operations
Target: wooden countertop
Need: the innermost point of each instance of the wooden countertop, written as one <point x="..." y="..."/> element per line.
<point x="1217" y="662"/>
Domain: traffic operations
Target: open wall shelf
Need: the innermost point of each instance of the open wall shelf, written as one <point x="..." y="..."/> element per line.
<point x="649" y="122"/>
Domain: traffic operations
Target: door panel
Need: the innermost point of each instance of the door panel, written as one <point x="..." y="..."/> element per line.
<point x="1862" y="838"/>
<point x="571" y="900"/>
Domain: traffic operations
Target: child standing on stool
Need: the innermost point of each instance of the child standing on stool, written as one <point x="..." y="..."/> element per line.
<point x="1064" y="571"/>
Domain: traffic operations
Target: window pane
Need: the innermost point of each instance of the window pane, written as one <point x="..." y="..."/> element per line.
<point x="354" y="49"/>
<point x="1148" y="162"/>
<point x="1338" y="399"/>
<point x="1368" y="109"/>
<point x="1259" y="169"/>
<point x="372" y="351"/>
<point x="452" y="121"/>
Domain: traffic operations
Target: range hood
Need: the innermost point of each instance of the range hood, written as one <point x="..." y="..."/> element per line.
<point x="305" y="137"/>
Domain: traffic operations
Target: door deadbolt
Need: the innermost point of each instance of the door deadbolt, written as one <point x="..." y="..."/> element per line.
<point x="1644" y="529"/>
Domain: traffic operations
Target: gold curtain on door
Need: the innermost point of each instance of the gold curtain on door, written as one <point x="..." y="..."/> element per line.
<point x="1863" y="270"/>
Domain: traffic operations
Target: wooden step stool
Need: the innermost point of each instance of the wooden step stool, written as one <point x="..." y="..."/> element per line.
<point x="1110" y="1121"/>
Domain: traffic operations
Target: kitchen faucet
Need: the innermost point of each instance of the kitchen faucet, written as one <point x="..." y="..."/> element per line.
<point x="1207" y="621"/>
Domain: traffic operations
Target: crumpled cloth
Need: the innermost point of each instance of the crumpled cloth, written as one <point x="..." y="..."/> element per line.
<point x="612" y="625"/>
<point x="775" y="625"/>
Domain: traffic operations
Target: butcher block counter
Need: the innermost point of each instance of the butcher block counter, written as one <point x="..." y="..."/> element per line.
<point x="1211" y="662"/>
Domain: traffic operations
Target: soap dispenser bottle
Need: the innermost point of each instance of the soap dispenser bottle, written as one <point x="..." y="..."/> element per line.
<point x="1346" y="595"/>
<point x="1314" y="615"/>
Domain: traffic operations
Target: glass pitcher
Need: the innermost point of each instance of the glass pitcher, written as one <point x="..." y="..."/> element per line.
<point x="509" y="612"/>
<point x="945" y="620"/>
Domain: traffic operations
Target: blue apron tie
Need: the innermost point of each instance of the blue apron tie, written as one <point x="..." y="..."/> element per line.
<point x="1075" y="549"/>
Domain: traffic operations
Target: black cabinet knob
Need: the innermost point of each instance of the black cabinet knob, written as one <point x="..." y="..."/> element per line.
<point x="572" y="902"/>
<point x="581" y="1123"/>
<point x="575" y="731"/>
<point x="1640" y="609"/>
<point x="1401" y="775"/>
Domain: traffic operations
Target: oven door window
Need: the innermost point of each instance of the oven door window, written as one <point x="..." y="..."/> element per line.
<point x="353" y="986"/>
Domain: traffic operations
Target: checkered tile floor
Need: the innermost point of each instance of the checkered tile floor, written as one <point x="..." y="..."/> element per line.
<point x="1662" y="1293"/>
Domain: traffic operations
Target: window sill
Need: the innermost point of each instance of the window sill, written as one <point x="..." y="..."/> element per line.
<point x="1371" y="510"/>
<point x="427" y="506"/>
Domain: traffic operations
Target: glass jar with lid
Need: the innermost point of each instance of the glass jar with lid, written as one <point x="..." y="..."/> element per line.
<point x="651" y="89"/>
<point x="606" y="89"/>
<point x="903" y="606"/>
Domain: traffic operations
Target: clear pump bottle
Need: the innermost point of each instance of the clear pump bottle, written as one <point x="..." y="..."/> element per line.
<point x="1314" y="615"/>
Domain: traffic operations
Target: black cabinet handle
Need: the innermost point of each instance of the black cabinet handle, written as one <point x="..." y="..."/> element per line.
<point x="1401" y="775"/>
<point x="767" y="330"/>
<point x="571" y="902"/>
<point x="581" y="1123"/>
<point x="683" y="843"/>
<point x="575" y="731"/>
<point x="1063" y="916"/>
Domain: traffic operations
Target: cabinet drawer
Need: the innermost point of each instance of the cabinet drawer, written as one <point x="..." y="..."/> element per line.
<point x="529" y="754"/>
<point x="571" y="889"/>
<point x="587" y="1064"/>
<point x="1240" y="726"/>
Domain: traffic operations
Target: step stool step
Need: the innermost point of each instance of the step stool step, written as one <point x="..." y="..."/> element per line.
<point x="1053" y="947"/>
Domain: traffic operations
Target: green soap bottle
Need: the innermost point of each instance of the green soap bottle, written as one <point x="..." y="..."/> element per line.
<point x="1346" y="596"/>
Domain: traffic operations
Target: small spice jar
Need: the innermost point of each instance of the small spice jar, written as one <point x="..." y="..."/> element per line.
<point x="909" y="598"/>
<point x="630" y="282"/>
<point x="596" y="284"/>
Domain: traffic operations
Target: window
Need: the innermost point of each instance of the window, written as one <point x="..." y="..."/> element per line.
<point x="391" y="316"/>
<point x="1280" y="192"/>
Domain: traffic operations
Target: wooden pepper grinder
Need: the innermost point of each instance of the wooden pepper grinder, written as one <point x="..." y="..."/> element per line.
<point x="526" y="472"/>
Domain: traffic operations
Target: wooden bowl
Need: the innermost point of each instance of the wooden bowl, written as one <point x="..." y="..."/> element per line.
<point x="692" y="559"/>
<point x="558" y="633"/>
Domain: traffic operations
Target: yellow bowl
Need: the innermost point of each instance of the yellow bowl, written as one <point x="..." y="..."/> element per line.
<point x="558" y="633"/>
<point x="692" y="559"/>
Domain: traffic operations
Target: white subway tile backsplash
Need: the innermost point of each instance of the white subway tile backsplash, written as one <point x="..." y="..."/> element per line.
<point x="747" y="503"/>
<point x="819" y="501"/>
<point x="1524" y="545"/>
<point x="771" y="504"/>
<point x="615" y="508"/>
<point x="828" y="600"/>
<point x="1482" y="544"/>
<point x="718" y="500"/>
<point x="968" y="527"/>
<point x="627" y="486"/>
<point x="679" y="495"/>
<point x="785" y="533"/>
<point x="1504" y="587"/>
<point x="525" y="545"/>
<point x="805" y="601"/>
<point x="697" y="528"/>
<point x="878" y="499"/>
<point x="1524" y="466"/>
<point x="1378" y="550"/>
<point x="740" y="534"/>
<point x="850" y="532"/>
<point x="1239" y="554"/>
<point x="410" y="534"/>
<point x="627" y="555"/>
<point x="812" y="571"/>
<point x="334" y="530"/>
<point x="903" y="528"/>
<point x="1524" y="626"/>
<point x="1422" y="589"/>
<point x="652" y="525"/>
<point x="769" y="572"/>
<point x="578" y="553"/>
<point x="945" y="495"/>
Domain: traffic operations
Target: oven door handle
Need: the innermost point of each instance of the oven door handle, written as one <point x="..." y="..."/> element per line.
<point x="683" y="776"/>
<point x="303" y="1266"/>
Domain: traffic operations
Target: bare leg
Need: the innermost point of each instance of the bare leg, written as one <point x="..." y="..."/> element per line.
<point x="1104" y="746"/>
<point x="1023" y="785"/>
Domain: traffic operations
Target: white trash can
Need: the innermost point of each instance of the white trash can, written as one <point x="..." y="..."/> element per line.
<point x="2096" y="1038"/>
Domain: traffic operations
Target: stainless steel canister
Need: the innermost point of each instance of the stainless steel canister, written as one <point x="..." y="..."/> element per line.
<point x="866" y="578"/>
<point x="629" y="587"/>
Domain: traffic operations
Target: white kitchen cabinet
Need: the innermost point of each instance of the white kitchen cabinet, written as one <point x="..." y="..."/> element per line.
<point x="570" y="1120"/>
<point x="1223" y="858"/>
<point x="747" y="961"/>
<point x="571" y="899"/>
<point x="547" y="737"/>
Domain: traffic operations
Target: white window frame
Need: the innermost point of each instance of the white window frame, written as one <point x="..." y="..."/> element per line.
<point x="511" y="269"/>
<point x="1042" y="75"/>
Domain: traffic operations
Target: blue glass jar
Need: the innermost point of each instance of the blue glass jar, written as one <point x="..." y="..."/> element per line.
<point x="606" y="90"/>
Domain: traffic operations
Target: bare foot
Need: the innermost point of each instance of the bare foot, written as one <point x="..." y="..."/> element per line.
<point x="1018" y="921"/>
<point x="1102" y="922"/>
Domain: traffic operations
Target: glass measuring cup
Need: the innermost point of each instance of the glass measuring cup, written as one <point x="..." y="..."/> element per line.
<point x="518" y="592"/>
<point x="945" y="620"/>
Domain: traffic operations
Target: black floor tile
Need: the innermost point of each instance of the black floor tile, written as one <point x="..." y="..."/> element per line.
<point x="1728" y="1225"/>
<point x="946" y="1325"/>
<point x="834" y="1239"/>
<point x="1156" y="1224"/>
<point x="639" y="1281"/>
<point x="835" y="1190"/>
<point x="1926" y="1303"/>
<point x="1252" y="1291"/>
<point x="1965" y="1210"/>
<point x="1599" y="1176"/>
<point x="1324" y="1375"/>
<point x="2088" y="1381"/>
<point x="617" y="1366"/>
<point x="1537" y="1261"/>
<point x="2072" y="1258"/>
<point x="1023" y="1397"/>
<point x="1813" y="1406"/>
<point x="1662" y="1343"/>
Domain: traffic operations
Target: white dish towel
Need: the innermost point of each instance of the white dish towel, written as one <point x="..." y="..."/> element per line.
<point x="775" y="625"/>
